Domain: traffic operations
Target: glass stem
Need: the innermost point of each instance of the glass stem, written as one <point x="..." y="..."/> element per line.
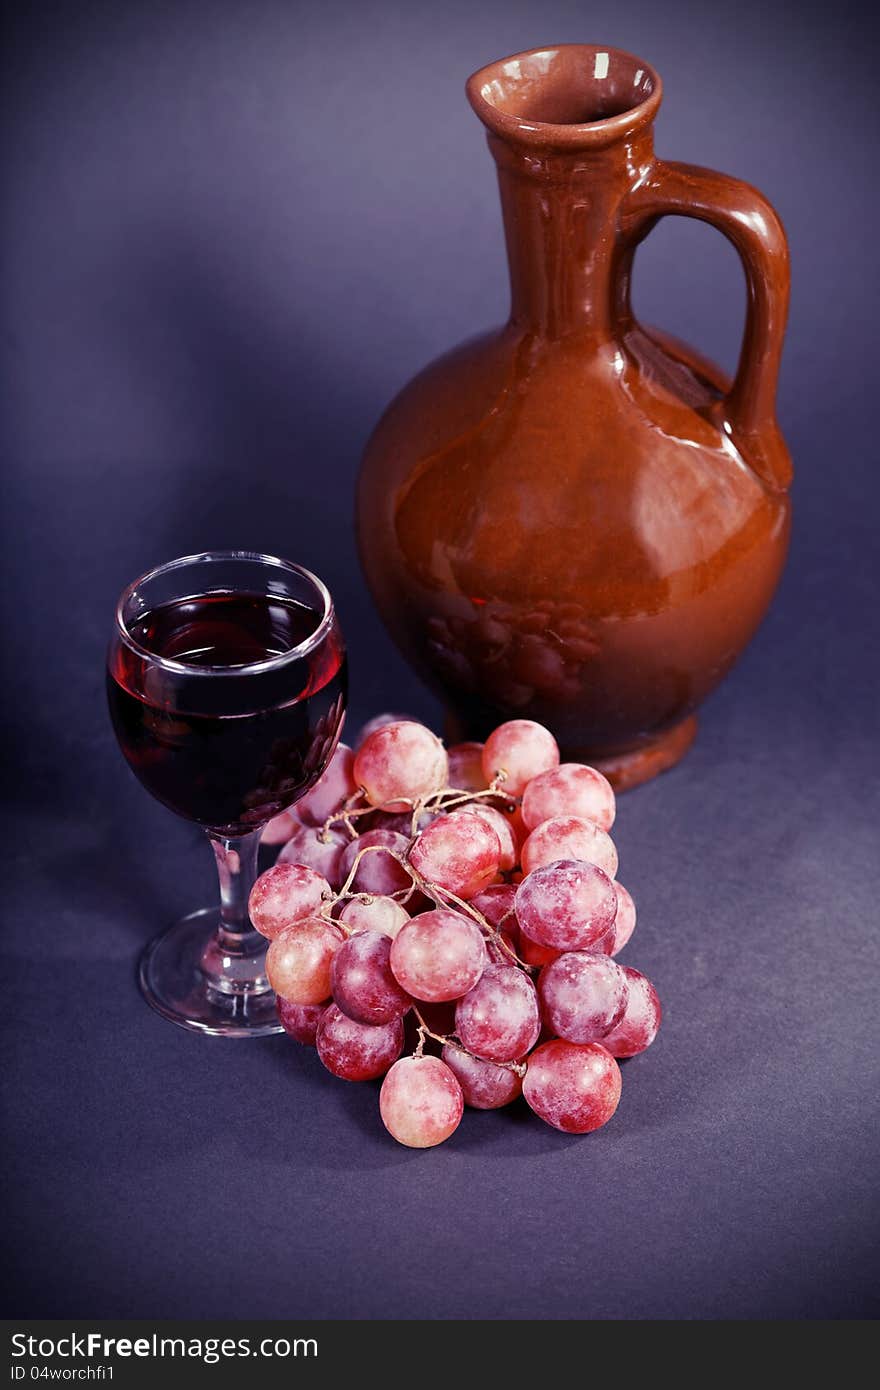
<point x="233" y="962"/>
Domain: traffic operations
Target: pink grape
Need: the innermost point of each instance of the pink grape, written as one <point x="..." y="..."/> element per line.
<point x="279" y="829"/>
<point x="569" y="790"/>
<point x="573" y="1087"/>
<point x="459" y="852"/>
<point x="300" y="1021"/>
<point x="284" y="894"/>
<point x="533" y="954"/>
<point x="400" y="763"/>
<point x="569" y="906"/>
<point x="466" y="767"/>
<point x="503" y="829"/>
<point x="421" y="1102"/>
<point x="323" y="855"/>
<point x="497" y="904"/>
<point x="625" y="921"/>
<point x="381" y="914"/>
<point x="362" y="983"/>
<point x="438" y="955"/>
<point x="298" y="960"/>
<point x="357" y="1051"/>
<point x="521" y="749"/>
<point x="638" y="1027"/>
<point x="484" y="1085"/>
<point x="582" y="996"/>
<point x="498" y="1019"/>
<point x="335" y="786"/>
<point x="377" y="872"/>
<point x="569" y="837"/>
<point x="378" y="722"/>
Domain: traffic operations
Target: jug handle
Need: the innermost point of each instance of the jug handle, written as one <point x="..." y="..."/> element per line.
<point x="743" y="215"/>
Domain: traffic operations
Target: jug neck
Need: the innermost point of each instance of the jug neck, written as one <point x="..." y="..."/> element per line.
<point x="561" y="212"/>
<point x="571" y="131"/>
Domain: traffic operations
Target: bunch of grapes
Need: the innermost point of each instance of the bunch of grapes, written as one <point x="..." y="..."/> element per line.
<point x="461" y="904"/>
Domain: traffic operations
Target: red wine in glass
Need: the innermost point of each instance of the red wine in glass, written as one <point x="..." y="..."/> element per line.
<point x="232" y="751"/>
<point x="226" y="681"/>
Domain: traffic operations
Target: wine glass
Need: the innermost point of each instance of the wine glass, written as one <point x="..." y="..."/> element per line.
<point x="227" y="682"/>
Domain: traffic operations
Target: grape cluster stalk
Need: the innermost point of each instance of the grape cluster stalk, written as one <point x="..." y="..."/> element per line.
<point x="449" y="920"/>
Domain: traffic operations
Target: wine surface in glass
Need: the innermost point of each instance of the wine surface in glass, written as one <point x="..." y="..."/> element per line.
<point x="216" y="742"/>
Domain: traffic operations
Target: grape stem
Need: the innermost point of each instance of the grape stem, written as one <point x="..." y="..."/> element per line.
<point x="450" y="1040"/>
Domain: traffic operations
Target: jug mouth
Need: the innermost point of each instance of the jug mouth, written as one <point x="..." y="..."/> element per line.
<point x="571" y="96"/>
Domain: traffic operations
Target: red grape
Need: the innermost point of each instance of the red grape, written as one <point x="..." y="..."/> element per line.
<point x="300" y="1021"/>
<point x="496" y="904"/>
<point x="569" y="790"/>
<point x="384" y="915"/>
<point x="625" y="921"/>
<point x="421" y="1102"/>
<point x="398" y="764"/>
<point x="484" y="1085"/>
<point x="533" y="954"/>
<point x="466" y="767"/>
<point x="334" y="787"/>
<point x="460" y="852"/>
<point x="377" y="873"/>
<point x="582" y="996"/>
<point x="568" y="905"/>
<point x="284" y="894"/>
<point x="503" y="829"/>
<point x="279" y="829"/>
<point x="362" y="983"/>
<point x="324" y="855"/>
<point x="298" y="960"/>
<point x="521" y="749"/>
<point x="438" y="955"/>
<point x="573" y="1087"/>
<point x="638" y="1027"/>
<point x="498" y="1019"/>
<point x="378" y="722"/>
<point x="357" y="1051"/>
<point x="569" y="837"/>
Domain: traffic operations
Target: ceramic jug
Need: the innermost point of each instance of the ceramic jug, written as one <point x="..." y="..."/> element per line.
<point x="575" y="518"/>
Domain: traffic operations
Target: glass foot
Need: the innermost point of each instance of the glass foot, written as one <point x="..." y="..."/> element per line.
<point x="188" y="977"/>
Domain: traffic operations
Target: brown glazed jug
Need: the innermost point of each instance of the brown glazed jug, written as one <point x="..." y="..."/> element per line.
<point x="574" y="518"/>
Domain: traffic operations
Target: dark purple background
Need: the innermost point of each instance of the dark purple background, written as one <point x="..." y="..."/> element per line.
<point x="230" y="232"/>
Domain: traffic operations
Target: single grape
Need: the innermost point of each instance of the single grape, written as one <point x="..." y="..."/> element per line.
<point x="362" y="983"/>
<point x="484" y="1085"/>
<point x="284" y="894"/>
<point x="381" y="914"/>
<point x="497" y="904"/>
<point x="498" y="1019"/>
<point x="401" y="821"/>
<point x="300" y="1021"/>
<point x="638" y="1027"/>
<point x="357" y="1051"/>
<point x="378" y="722"/>
<point x="625" y="921"/>
<point x="377" y="873"/>
<point x="334" y="787"/>
<point x="582" y="996"/>
<point x="466" y="767"/>
<point x="298" y="960"/>
<point x="398" y="764"/>
<point x="318" y="850"/>
<point x="569" y="837"/>
<point x="569" y="905"/>
<point x="421" y="1102"/>
<point x="279" y="829"/>
<point x="459" y="852"/>
<point x="569" y="790"/>
<point x="503" y="829"/>
<point x="438" y="955"/>
<point x="573" y="1087"/>
<point x="521" y="749"/>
